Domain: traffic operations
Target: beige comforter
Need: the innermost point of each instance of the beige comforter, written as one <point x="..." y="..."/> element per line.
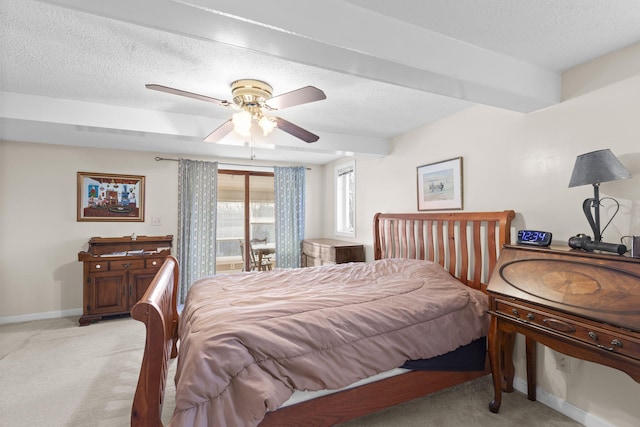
<point x="248" y="340"/>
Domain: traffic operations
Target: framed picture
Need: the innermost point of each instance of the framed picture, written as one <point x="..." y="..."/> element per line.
<point x="440" y="185"/>
<point x="110" y="197"/>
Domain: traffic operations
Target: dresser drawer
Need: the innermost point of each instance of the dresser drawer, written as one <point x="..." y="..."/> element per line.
<point x="323" y="252"/>
<point x="153" y="262"/>
<point x="609" y="339"/>
<point x="98" y="266"/>
<point x="309" y="261"/>
<point x="126" y="264"/>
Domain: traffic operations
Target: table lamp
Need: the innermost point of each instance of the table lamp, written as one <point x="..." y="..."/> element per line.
<point x="593" y="168"/>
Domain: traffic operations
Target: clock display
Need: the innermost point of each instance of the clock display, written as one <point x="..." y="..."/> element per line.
<point x="533" y="237"/>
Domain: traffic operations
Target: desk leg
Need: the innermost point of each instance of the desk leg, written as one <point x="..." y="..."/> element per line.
<point x="501" y="345"/>
<point x="531" y="368"/>
<point x="495" y="358"/>
<point x="509" y="370"/>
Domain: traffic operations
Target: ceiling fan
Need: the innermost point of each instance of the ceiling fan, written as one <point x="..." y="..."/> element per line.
<point x="253" y="98"/>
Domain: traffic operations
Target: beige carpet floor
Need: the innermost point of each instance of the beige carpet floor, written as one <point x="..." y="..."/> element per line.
<point x="55" y="373"/>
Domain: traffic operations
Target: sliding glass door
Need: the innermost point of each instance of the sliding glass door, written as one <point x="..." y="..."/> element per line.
<point x="246" y="222"/>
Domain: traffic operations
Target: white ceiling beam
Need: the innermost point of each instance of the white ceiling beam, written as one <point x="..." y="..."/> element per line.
<point x="146" y="129"/>
<point x="323" y="36"/>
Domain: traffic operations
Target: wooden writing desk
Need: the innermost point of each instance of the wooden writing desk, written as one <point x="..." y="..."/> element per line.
<point x="585" y="305"/>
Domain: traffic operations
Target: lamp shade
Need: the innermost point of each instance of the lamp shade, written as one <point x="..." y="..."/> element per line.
<point x="242" y="123"/>
<point x="596" y="167"/>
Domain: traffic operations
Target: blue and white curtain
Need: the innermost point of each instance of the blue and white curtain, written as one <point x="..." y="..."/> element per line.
<point x="289" y="188"/>
<point x="197" y="207"/>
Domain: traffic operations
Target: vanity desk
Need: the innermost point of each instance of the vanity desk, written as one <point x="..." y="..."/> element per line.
<point x="582" y="304"/>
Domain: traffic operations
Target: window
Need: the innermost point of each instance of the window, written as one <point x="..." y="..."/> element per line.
<point x="345" y="183"/>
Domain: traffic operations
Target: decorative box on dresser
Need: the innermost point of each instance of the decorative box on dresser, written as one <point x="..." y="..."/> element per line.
<point x="585" y="305"/>
<point x="330" y="251"/>
<point x="117" y="272"/>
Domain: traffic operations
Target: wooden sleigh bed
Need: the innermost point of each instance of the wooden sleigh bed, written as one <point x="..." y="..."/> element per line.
<point x="466" y="244"/>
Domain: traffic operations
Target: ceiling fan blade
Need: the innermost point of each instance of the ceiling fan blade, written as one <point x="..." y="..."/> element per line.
<point x="222" y="131"/>
<point x="296" y="130"/>
<point x="188" y="94"/>
<point x="303" y="95"/>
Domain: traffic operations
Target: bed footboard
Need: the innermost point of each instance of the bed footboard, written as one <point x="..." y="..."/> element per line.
<point x="158" y="311"/>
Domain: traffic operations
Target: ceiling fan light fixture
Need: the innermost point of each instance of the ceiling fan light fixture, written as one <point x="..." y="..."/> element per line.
<point x="242" y="123"/>
<point x="252" y="97"/>
<point x="267" y="124"/>
<point x="250" y="92"/>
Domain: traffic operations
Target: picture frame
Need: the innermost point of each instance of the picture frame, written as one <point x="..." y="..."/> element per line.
<point x="110" y="197"/>
<point x="440" y="185"/>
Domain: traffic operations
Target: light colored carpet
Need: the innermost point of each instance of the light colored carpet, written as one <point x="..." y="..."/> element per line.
<point x="55" y="373"/>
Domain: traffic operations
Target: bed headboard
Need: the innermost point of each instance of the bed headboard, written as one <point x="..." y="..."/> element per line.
<point x="465" y="243"/>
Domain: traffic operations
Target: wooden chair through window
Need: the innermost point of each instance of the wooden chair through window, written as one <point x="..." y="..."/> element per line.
<point x="264" y="262"/>
<point x="254" y="258"/>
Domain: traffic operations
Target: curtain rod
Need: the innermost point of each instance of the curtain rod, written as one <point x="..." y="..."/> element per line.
<point x="225" y="164"/>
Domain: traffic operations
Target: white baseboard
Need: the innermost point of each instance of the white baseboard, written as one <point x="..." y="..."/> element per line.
<point x="562" y="406"/>
<point x="40" y="316"/>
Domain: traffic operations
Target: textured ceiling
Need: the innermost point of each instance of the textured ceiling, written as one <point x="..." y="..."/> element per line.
<point x="73" y="71"/>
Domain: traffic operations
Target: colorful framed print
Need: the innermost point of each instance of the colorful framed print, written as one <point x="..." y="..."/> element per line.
<point x="110" y="197"/>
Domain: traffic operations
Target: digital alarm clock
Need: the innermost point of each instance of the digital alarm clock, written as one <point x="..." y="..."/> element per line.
<point x="533" y="237"/>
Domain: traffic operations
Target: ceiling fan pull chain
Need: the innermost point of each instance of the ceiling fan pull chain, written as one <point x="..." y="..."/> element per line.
<point x="253" y="145"/>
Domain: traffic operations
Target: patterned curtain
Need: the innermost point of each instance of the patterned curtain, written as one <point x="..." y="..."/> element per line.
<point x="197" y="206"/>
<point x="289" y="188"/>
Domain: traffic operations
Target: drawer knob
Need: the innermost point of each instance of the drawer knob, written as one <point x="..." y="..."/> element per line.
<point x="530" y="316"/>
<point x="515" y="312"/>
<point x="593" y="335"/>
<point x="616" y="343"/>
<point x="154" y="262"/>
<point x="126" y="265"/>
<point x="98" y="266"/>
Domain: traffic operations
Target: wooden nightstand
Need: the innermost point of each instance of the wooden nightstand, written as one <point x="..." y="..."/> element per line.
<point x="585" y="305"/>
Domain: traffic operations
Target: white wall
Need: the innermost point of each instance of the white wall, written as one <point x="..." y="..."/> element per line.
<point x="514" y="161"/>
<point x="40" y="275"/>
<point x="524" y="162"/>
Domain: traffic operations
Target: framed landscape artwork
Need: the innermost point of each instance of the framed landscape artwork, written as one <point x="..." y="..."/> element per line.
<point x="440" y="185"/>
<point x="110" y="197"/>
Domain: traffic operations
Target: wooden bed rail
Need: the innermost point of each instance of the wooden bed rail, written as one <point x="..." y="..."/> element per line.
<point x="158" y="311"/>
<point x="464" y="243"/>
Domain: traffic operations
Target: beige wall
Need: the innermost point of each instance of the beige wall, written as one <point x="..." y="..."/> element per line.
<point x="524" y="162"/>
<point x="40" y="275"/>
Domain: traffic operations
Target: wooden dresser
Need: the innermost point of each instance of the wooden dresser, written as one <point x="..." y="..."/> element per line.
<point x="585" y="305"/>
<point x="330" y="251"/>
<point x="117" y="272"/>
